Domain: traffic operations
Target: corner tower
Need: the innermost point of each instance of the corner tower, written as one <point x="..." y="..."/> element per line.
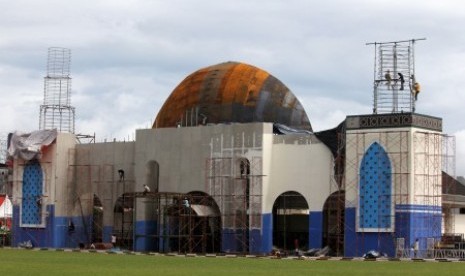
<point x="393" y="182"/>
<point x="393" y="163"/>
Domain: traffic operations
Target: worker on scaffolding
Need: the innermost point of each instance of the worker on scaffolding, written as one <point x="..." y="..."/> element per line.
<point x="146" y="190"/>
<point x="388" y="79"/>
<point x="416" y="87"/>
<point x="186" y="203"/>
<point x="402" y="80"/>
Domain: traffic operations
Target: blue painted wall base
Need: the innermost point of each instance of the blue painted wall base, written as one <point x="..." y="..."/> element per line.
<point x="142" y="240"/>
<point x="56" y="233"/>
<point x="315" y="233"/>
<point x="411" y="222"/>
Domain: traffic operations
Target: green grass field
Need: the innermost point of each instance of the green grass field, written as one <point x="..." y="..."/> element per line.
<point x="32" y="262"/>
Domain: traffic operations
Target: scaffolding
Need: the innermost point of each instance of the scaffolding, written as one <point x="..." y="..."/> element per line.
<point x="397" y="143"/>
<point x="448" y="184"/>
<point x="77" y="195"/>
<point x="56" y="111"/>
<point x="356" y="145"/>
<point x="3" y="147"/>
<point x="394" y="85"/>
<point x="427" y="184"/>
<point x="236" y="185"/>
<point x="333" y="232"/>
<point x="418" y="161"/>
<point x="5" y="171"/>
<point x="185" y="223"/>
<point x="86" y="182"/>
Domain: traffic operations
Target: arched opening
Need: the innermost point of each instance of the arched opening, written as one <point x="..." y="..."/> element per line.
<point x="290" y="222"/>
<point x="97" y="220"/>
<point x="32" y="195"/>
<point x="333" y="223"/>
<point x="375" y="190"/>
<point x="123" y="220"/>
<point x="193" y="224"/>
<point x="153" y="175"/>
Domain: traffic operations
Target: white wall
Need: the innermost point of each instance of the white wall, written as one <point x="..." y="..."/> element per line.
<point x="306" y="168"/>
<point x="459" y="223"/>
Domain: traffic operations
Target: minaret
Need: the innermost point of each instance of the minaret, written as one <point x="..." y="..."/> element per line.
<point x="395" y="87"/>
<point x="56" y="111"/>
<point x="393" y="164"/>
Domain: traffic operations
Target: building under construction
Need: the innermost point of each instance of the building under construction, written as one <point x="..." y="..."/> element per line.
<point x="232" y="165"/>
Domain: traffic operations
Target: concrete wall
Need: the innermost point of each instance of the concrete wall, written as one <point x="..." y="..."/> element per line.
<point x="183" y="153"/>
<point x="96" y="172"/>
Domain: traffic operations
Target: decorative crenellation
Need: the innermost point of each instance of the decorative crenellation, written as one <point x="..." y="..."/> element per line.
<point x="394" y="120"/>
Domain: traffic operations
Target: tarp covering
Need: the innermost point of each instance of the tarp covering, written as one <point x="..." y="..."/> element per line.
<point x="330" y="138"/>
<point x="283" y="129"/>
<point x="28" y="146"/>
<point x="204" y="211"/>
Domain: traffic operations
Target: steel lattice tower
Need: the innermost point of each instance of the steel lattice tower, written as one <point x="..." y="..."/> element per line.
<point x="56" y="111"/>
<point x="394" y="77"/>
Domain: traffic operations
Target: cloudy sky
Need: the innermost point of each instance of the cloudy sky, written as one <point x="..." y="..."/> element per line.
<point x="127" y="56"/>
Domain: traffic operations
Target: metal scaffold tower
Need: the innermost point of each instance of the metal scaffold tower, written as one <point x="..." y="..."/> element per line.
<point x="356" y="145"/>
<point x="185" y="223"/>
<point x="334" y="208"/>
<point x="56" y="111"/>
<point x="79" y="202"/>
<point x="395" y="87"/>
<point x="448" y="179"/>
<point x="236" y="185"/>
<point x="427" y="180"/>
<point x="3" y="147"/>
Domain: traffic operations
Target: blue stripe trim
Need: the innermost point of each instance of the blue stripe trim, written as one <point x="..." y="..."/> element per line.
<point x="424" y="208"/>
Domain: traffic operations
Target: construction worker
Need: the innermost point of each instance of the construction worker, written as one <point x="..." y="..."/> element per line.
<point x="402" y="80"/>
<point x="416" y="90"/>
<point x="146" y="189"/>
<point x="388" y="78"/>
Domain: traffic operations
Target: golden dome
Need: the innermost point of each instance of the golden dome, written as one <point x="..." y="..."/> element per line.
<point x="231" y="92"/>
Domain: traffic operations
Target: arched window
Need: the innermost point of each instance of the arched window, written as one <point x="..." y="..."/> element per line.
<point x="31" y="207"/>
<point x="244" y="167"/>
<point x="153" y="175"/>
<point x="375" y="189"/>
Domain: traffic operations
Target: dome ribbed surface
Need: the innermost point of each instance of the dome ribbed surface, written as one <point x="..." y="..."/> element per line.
<point x="231" y="92"/>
